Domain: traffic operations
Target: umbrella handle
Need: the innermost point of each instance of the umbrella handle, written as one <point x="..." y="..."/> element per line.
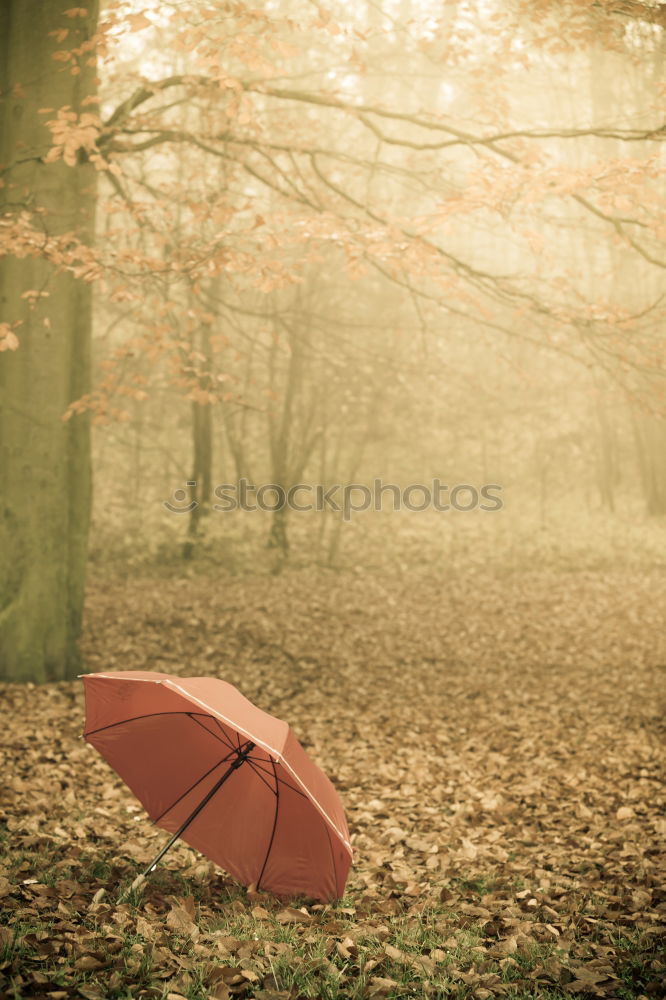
<point x="241" y="757"/>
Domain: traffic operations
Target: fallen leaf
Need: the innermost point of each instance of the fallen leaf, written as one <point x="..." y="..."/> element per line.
<point x="88" y="962"/>
<point x="380" y="986"/>
<point x="290" y="915"/>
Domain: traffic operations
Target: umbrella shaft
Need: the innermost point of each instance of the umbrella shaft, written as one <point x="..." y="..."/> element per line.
<point x="240" y="759"/>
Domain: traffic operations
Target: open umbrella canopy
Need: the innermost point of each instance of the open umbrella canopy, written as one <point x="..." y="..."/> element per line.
<point x="229" y="779"/>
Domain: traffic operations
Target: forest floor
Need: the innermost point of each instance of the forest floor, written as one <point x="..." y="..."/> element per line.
<point x="498" y="744"/>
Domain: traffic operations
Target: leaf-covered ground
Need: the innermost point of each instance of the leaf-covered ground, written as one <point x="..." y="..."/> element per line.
<point x="498" y="744"/>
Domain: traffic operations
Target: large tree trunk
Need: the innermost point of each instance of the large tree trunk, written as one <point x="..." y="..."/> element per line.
<point x="44" y="461"/>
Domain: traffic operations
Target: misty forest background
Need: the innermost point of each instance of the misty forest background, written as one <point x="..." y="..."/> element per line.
<point x="401" y="294"/>
<point x="291" y="241"/>
<point x="397" y="241"/>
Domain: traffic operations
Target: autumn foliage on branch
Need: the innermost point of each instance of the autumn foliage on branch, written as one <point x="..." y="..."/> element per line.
<point x="243" y="148"/>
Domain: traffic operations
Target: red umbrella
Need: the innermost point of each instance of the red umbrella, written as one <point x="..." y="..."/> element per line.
<point x="229" y="779"/>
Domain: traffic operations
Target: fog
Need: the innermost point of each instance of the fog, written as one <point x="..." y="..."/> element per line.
<point x="370" y="286"/>
<point x="393" y="242"/>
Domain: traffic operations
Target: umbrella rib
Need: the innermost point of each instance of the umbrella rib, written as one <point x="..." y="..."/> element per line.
<point x="222" y="729"/>
<point x="281" y="780"/>
<point x="192" y="787"/>
<point x="275" y="819"/>
<point x="148" y="715"/>
<point x="259" y="775"/>
<point x="193" y="716"/>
